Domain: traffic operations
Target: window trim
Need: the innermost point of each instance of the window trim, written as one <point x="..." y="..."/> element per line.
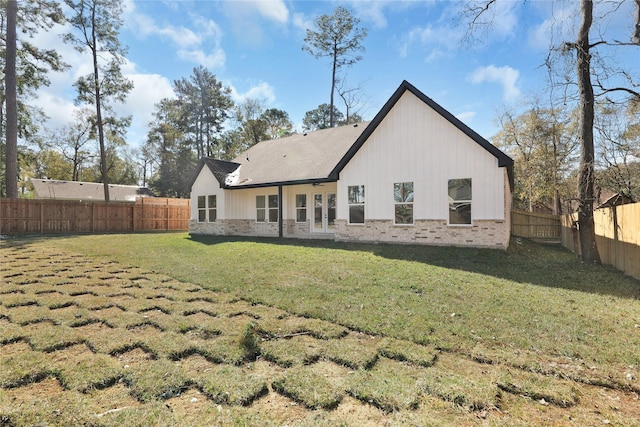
<point x="351" y="204"/>
<point x="267" y="208"/>
<point x="451" y="201"/>
<point x="214" y="208"/>
<point x="301" y="208"/>
<point x="201" y="210"/>
<point x="397" y="203"/>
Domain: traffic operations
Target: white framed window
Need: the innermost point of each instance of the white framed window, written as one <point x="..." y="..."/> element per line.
<point x="460" y="198"/>
<point x="261" y="211"/>
<point x="356" y="204"/>
<point x="202" y="208"/>
<point x="207" y="208"/>
<point x="212" y="206"/>
<point x="403" y="200"/>
<point x="273" y="208"/>
<point x="267" y="208"/>
<point x="301" y="207"/>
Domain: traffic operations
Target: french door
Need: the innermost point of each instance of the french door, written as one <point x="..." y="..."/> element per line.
<point x="324" y="212"/>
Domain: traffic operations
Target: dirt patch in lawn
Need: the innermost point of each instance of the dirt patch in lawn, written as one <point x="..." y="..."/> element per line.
<point x="102" y="343"/>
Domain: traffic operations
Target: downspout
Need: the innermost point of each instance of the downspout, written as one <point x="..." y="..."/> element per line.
<point x="280" y="228"/>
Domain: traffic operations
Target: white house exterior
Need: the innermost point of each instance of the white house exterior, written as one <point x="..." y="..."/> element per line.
<point x="414" y="174"/>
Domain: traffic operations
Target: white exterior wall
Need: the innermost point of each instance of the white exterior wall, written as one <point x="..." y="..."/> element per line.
<point x="207" y="185"/>
<point x="415" y="144"/>
<point x="237" y="209"/>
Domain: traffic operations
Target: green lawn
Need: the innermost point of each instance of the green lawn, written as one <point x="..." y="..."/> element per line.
<point x="404" y="329"/>
<point x="531" y="298"/>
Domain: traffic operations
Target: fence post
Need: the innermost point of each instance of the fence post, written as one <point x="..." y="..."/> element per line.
<point x="41" y="217"/>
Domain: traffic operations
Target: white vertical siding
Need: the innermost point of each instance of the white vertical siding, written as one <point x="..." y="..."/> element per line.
<point x="414" y="143"/>
<point x="207" y="185"/>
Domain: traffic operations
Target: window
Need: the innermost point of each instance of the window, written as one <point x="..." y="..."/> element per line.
<point x="403" y="198"/>
<point x="213" y="208"/>
<point x="301" y="207"/>
<point x="267" y="208"/>
<point x="460" y="201"/>
<point x="273" y="208"/>
<point x="260" y="209"/>
<point x="356" y="204"/>
<point x="207" y="204"/>
<point x="202" y="208"/>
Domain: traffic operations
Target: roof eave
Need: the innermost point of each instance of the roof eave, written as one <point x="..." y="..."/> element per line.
<point x="280" y="183"/>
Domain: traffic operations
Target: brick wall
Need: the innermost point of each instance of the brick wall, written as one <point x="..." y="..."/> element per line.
<point x="489" y="233"/>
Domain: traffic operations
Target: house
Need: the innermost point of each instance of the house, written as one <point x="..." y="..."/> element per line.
<point x="86" y="191"/>
<point x="414" y="174"/>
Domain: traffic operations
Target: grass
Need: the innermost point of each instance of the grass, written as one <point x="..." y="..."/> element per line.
<point x="417" y="333"/>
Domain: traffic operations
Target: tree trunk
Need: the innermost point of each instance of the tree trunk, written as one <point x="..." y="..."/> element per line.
<point x="96" y="82"/>
<point x="11" y="152"/>
<point x="332" y="117"/>
<point x="586" y="176"/>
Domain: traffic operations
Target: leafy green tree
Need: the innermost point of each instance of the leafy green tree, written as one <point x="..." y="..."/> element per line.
<point x="73" y="141"/>
<point x="618" y="135"/>
<point x="25" y="67"/>
<point x="204" y="105"/>
<point x="97" y="24"/>
<point x="591" y="68"/>
<point x="278" y="123"/>
<point x="167" y="149"/>
<point x="11" y="102"/>
<point x="543" y="143"/>
<point x="321" y="117"/>
<point x="337" y="37"/>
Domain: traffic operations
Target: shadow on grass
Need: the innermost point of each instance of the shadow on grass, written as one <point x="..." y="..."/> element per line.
<point x="525" y="262"/>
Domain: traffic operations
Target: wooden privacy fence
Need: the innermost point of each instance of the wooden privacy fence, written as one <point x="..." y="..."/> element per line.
<point x="617" y="236"/>
<point x="63" y="216"/>
<point x="535" y="225"/>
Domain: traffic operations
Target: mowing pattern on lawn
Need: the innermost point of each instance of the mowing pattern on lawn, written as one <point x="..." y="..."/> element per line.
<point x="84" y="342"/>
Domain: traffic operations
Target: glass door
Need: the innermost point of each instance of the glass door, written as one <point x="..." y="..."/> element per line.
<point x="324" y="212"/>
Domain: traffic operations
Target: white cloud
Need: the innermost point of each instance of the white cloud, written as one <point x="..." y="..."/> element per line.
<point x="505" y="76"/>
<point x="302" y="21"/>
<point x="466" y="115"/>
<point x="247" y="18"/>
<point x="262" y="91"/>
<point x="273" y="10"/>
<point x="148" y="90"/>
<point x="215" y="59"/>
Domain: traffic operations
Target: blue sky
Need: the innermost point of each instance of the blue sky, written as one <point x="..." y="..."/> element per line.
<point x="255" y="48"/>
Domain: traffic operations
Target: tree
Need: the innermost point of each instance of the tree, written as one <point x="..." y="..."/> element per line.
<point x="618" y="136"/>
<point x="543" y="145"/>
<point x="25" y="67"/>
<point x="338" y="37"/>
<point x="352" y="98"/>
<point x="321" y="117"/>
<point x="167" y="148"/>
<point x="204" y="105"/>
<point x="98" y="23"/>
<point x="72" y="141"/>
<point x="11" y="149"/>
<point x="588" y="62"/>
<point x="278" y="123"/>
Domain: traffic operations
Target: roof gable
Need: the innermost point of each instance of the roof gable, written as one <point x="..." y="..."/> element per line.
<point x="503" y="159"/>
<point x="320" y="156"/>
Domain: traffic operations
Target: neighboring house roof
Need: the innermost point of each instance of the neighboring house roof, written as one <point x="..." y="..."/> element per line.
<point x="320" y="156"/>
<point x="76" y="190"/>
<point x="616" y="199"/>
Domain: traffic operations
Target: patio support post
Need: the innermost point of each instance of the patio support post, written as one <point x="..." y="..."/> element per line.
<point x="280" y="230"/>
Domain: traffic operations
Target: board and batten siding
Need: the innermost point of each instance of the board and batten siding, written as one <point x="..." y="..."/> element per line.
<point x="207" y="185"/>
<point x="415" y="144"/>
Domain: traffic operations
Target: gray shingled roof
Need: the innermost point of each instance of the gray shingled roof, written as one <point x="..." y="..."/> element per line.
<point x="89" y="191"/>
<point x="320" y="156"/>
<point x="303" y="157"/>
